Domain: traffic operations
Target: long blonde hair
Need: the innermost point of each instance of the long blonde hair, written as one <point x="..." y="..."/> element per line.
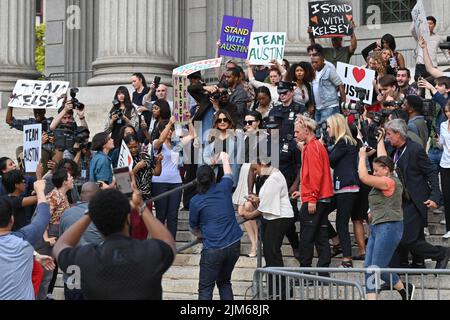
<point x="340" y="129"/>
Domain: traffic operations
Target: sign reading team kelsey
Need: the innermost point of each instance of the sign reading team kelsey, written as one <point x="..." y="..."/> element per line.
<point x="329" y="19"/>
<point x="190" y="68"/>
<point x="355" y="77"/>
<point x="32" y="143"/>
<point x="181" y="99"/>
<point x="31" y="94"/>
<point x="266" y="46"/>
<point x="235" y="37"/>
<point x="420" y="20"/>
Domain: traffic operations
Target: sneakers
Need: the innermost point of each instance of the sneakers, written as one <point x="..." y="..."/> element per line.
<point x="346" y="264"/>
<point x="410" y="292"/>
<point x="442" y="264"/>
<point x="426" y="232"/>
<point x="447" y="235"/>
<point x="442" y="222"/>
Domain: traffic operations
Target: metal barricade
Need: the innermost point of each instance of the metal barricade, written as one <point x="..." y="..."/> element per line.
<point x="283" y="284"/>
<point x="429" y="284"/>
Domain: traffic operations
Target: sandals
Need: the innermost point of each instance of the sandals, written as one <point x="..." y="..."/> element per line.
<point x="346" y="264"/>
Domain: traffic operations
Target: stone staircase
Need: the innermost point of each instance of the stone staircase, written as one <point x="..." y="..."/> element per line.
<point x="180" y="282"/>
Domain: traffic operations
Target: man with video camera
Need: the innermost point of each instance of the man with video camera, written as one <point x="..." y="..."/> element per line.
<point x="416" y="122"/>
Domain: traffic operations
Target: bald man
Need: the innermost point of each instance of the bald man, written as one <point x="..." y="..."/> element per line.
<point x="90" y="236"/>
<point x="161" y="93"/>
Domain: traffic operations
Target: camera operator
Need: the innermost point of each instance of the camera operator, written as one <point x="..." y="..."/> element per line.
<point x="122" y="113"/>
<point x="387" y="89"/>
<point x="83" y="157"/>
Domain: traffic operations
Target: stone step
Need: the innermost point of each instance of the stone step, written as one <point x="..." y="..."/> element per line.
<point x="192" y="272"/>
<point x="240" y="288"/>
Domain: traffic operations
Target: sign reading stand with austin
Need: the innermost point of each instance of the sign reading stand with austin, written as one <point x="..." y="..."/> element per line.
<point x="266" y="46"/>
<point x="329" y="19"/>
<point x="235" y="37"/>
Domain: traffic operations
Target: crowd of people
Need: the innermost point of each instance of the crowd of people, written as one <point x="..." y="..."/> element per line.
<point x="258" y="143"/>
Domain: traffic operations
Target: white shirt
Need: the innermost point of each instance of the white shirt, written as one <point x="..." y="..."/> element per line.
<point x="444" y="140"/>
<point x="274" y="198"/>
<point x="432" y="45"/>
<point x="273" y="89"/>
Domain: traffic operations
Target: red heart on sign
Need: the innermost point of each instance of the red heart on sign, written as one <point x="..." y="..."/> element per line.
<point x="359" y="74"/>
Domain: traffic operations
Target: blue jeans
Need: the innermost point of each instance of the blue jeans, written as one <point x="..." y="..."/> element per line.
<point x="435" y="156"/>
<point x="216" y="266"/>
<point x="384" y="239"/>
<point x="323" y="114"/>
<point x="167" y="208"/>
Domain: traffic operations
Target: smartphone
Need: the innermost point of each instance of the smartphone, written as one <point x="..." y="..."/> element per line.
<point x="393" y="62"/>
<point x="123" y="180"/>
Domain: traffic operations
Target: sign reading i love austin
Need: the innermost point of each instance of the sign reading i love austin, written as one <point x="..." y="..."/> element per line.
<point x="330" y="19"/>
<point x="355" y="77"/>
<point x="235" y="37"/>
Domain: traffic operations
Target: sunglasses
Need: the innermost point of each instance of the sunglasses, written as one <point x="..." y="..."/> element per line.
<point x="223" y="120"/>
<point x="249" y="123"/>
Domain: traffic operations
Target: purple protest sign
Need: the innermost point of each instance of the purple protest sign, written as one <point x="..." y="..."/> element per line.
<point x="235" y="37"/>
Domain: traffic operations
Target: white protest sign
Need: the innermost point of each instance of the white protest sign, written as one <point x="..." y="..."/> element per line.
<point x="32" y="143"/>
<point x="125" y="158"/>
<point x="266" y="46"/>
<point x="420" y="21"/>
<point x="190" y="68"/>
<point x="31" y="94"/>
<point x="355" y="77"/>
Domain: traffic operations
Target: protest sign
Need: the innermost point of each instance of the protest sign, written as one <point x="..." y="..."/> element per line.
<point x="355" y="77"/>
<point x="329" y="19"/>
<point x="190" y="68"/>
<point x="31" y="94"/>
<point x="266" y="46"/>
<point x="32" y="143"/>
<point x="181" y="99"/>
<point x="235" y="37"/>
<point x="125" y="158"/>
<point x="419" y="18"/>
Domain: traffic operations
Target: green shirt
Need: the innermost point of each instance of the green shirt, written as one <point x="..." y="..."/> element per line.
<point x="386" y="209"/>
<point x="337" y="55"/>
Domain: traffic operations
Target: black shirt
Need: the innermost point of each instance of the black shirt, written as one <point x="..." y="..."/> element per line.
<point x="120" y="268"/>
<point x="286" y="117"/>
<point x="138" y="97"/>
<point x="18" y="211"/>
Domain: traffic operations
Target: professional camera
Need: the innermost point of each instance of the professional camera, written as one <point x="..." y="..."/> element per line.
<point x="217" y="95"/>
<point x="356" y="107"/>
<point x="117" y="111"/>
<point x="76" y="104"/>
<point x="66" y="137"/>
<point x="322" y="133"/>
<point x="395" y="104"/>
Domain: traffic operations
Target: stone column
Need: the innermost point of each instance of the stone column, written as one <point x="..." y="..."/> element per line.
<point x="284" y="15"/>
<point x="136" y="36"/>
<point x="17" y="23"/>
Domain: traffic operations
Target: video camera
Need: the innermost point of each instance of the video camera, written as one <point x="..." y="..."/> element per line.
<point x="445" y="45"/>
<point x="395" y="104"/>
<point x="76" y="103"/>
<point x="66" y="137"/>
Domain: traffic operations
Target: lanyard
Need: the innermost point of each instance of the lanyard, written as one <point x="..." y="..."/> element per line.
<point x="398" y="157"/>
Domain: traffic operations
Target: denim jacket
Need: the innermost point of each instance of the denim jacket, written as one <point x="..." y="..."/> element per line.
<point x="328" y="84"/>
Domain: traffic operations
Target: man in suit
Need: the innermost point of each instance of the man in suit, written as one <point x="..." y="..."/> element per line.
<point x="422" y="192"/>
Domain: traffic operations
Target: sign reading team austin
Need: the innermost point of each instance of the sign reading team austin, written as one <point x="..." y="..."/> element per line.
<point x="235" y="37"/>
<point x="265" y="47"/>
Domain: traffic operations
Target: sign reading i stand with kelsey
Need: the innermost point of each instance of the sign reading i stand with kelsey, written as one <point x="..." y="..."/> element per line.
<point x="354" y="78"/>
<point x="329" y="19"/>
<point x="235" y="37"/>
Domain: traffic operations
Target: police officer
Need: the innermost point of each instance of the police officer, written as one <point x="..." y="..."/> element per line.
<point x="286" y="112"/>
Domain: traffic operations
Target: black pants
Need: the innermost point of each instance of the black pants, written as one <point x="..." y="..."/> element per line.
<point x="445" y="187"/>
<point x="344" y="203"/>
<point x="291" y="234"/>
<point x="413" y="238"/>
<point x="274" y="232"/>
<point x="314" y="232"/>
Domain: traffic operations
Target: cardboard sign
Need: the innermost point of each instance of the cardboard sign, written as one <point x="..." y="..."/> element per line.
<point x="419" y="18"/>
<point x="30" y="94"/>
<point x="329" y="19"/>
<point x="125" y="158"/>
<point x="190" y="68"/>
<point x="235" y="37"/>
<point x="266" y="46"/>
<point x="181" y="99"/>
<point x="32" y="144"/>
<point x="355" y="77"/>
